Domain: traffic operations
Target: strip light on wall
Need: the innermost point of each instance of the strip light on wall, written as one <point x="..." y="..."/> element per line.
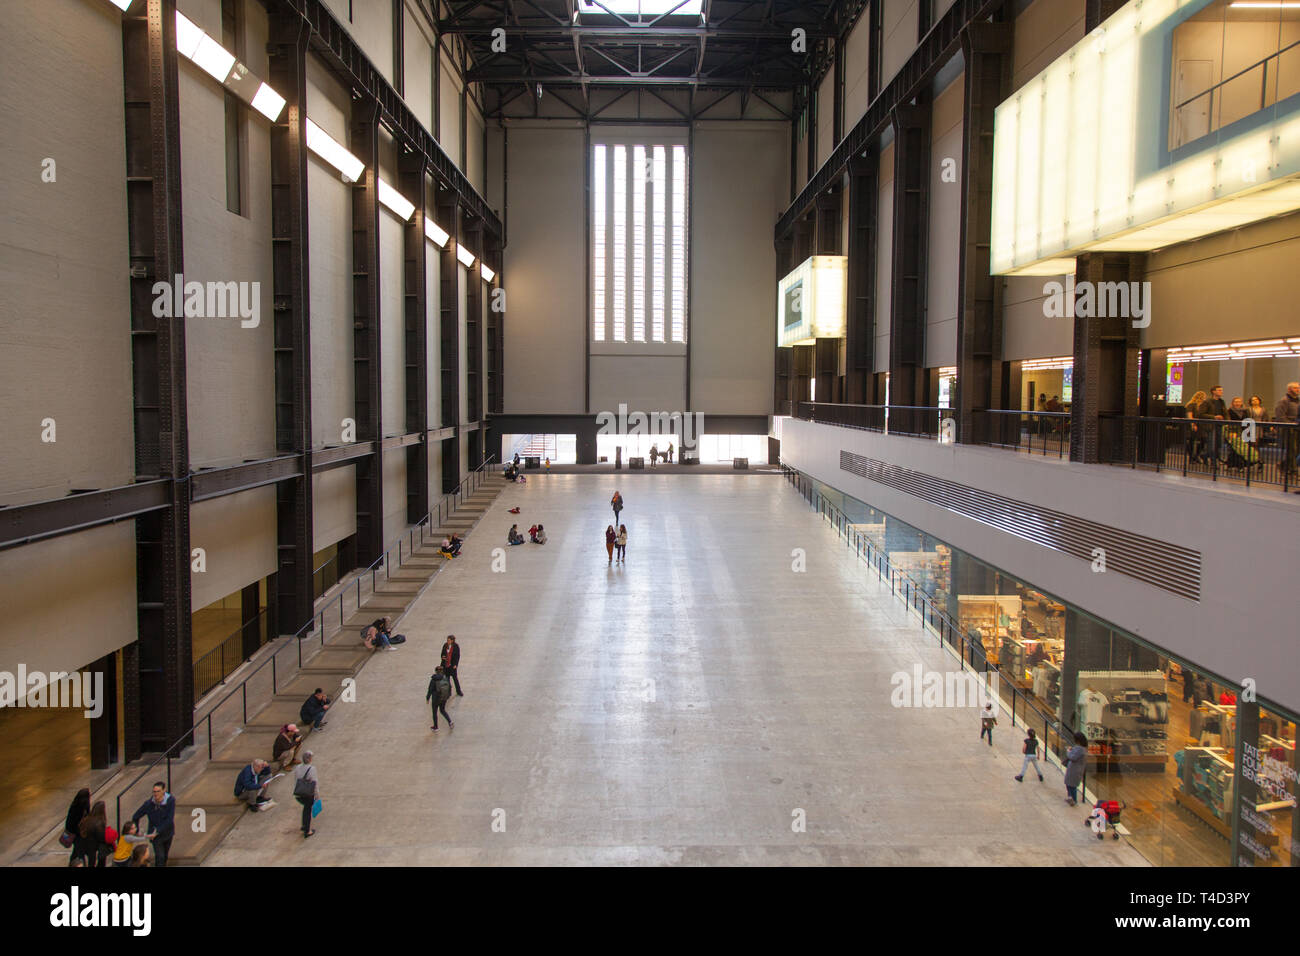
<point x="488" y="274"/>
<point x="395" y="201"/>
<point x="324" y="146"/>
<point x="219" y="63"/>
<point x="1261" y="348"/>
<point x="1042" y="365"/>
<point x="435" y="233"/>
<point x="465" y="256"/>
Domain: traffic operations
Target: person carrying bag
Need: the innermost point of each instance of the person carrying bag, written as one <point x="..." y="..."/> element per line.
<point x="306" y="790"/>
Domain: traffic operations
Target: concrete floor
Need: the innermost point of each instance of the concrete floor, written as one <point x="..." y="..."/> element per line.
<point x="680" y="710"/>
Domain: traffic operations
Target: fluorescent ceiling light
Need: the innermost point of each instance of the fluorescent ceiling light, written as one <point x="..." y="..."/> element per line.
<point x="268" y="102"/>
<point x="121" y="4"/>
<point x="188" y="36"/>
<point x="1265" y="5"/>
<point x="488" y="274"/>
<point x="324" y="146"/>
<point x="465" y="256"/>
<point x="214" y="59"/>
<point x="395" y="201"/>
<point x="437" y="235"/>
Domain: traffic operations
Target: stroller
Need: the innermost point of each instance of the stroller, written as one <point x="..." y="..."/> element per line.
<point x="1105" y="813"/>
<point x="1240" y="454"/>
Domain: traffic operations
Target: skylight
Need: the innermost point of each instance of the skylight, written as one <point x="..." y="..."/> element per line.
<point x="644" y="8"/>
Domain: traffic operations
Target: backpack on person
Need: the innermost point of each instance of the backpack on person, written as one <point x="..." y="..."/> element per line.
<point x="443" y="687"/>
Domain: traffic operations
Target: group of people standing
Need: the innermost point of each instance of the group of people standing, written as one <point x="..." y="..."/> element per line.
<point x="616" y="539"/>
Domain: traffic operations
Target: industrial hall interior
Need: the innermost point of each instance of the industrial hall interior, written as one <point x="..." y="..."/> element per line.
<point x="933" y="367"/>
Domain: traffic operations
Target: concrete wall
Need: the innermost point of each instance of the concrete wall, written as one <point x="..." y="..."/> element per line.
<point x="329" y="242"/>
<point x="1026" y="331"/>
<point x="944" y="249"/>
<point x="230" y="375"/>
<point x="1045" y="30"/>
<point x="1231" y="287"/>
<point x="1241" y="627"/>
<point x="237" y="535"/>
<point x="65" y="346"/>
<point x="546" y="321"/>
<point x="417" y="59"/>
<point x="899" y="20"/>
<point x="68" y="601"/>
<point x="733" y="316"/>
<point x="857" y="72"/>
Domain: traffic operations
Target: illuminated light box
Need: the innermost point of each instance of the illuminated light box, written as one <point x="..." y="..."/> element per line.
<point x="1093" y="154"/>
<point x="811" y="301"/>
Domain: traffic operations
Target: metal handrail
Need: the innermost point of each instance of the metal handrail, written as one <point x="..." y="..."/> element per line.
<point x="186" y="739"/>
<point x="220" y="649"/>
<point x="1238" y="74"/>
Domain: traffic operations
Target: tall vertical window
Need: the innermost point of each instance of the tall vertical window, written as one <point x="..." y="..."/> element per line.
<point x="598" y="243"/>
<point x="640" y="217"/>
<point x="235" y="122"/>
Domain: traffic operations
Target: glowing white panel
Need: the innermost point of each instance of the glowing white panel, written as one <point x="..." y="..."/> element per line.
<point x="324" y="146"/>
<point x="214" y="59"/>
<point x="268" y="102"/>
<point x="488" y="274"/>
<point x="465" y="256"/>
<point x="811" y="301"/>
<point x="1080" y="162"/>
<point x="188" y="35"/>
<point x="395" y="201"/>
<point x="435" y="233"/>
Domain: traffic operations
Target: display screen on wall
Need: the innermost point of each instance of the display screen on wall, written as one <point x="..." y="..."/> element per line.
<point x="1174" y="385"/>
<point x="1067" y="385"/>
<point x="794" y="304"/>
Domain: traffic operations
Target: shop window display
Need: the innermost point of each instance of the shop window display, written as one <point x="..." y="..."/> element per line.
<point x="1162" y="735"/>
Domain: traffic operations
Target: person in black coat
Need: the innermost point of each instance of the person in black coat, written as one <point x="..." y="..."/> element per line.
<point x="451" y="661"/>
<point x="77" y="811"/>
<point x="313" y="709"/>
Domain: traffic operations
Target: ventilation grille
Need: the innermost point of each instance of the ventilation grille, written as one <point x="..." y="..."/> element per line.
<point x="1163" y="565"/>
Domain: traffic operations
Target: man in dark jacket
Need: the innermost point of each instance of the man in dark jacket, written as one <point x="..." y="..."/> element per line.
<point x="439" y="693"/>
<point x="160" y="809"/>
<point x="1214" y="408"/>
<point x="451" y="661"/>
<point x="251" y="785"/>
<point x="1288" y="410"/>
<point x="313" y="709"/>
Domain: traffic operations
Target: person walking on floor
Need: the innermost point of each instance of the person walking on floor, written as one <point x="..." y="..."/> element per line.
<point x="439" y="693"/>
<point x="621" y="541"/>
<point x="451" y="661"/>
<point x="611" y="536"/>
<point x="161" y="811"/>
<point x="617" y="504"/>
<point x="1075" y="759"/>
<point x="306" y="790"/>
<point x="1030" y="750"/>
<point x="988" y="719"/>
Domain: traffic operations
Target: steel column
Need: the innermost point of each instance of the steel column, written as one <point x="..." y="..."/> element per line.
<point x="911" y="228"/>
<point x="860" y="329"/>
<point x="1105" y="359"/>
<point x="987" y="48"/>
<point x="288" y="38"/>
<point x="367" y="352"/>
<point x="448" y="212"/>
<point x="160" y="695"/>
<point x="411" y="168"/>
